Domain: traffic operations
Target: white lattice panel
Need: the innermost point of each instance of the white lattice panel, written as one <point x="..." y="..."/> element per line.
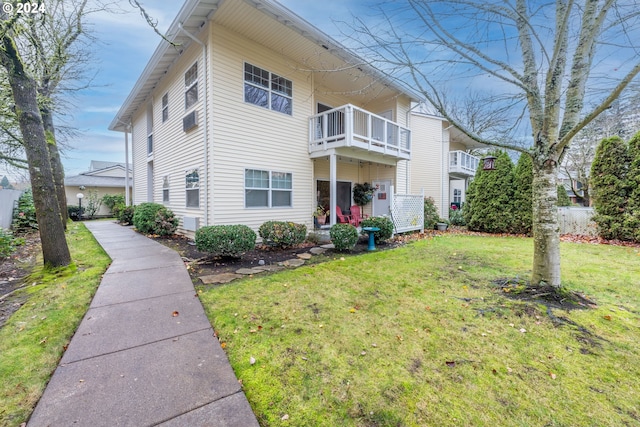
<point x="407" y="211"/>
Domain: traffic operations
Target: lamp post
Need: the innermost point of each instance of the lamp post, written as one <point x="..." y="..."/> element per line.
<point x="489" y="163"/>
<point x="80" y="196"/>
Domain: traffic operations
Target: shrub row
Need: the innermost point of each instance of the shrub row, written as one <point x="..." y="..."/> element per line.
<point x="225" y="240"/>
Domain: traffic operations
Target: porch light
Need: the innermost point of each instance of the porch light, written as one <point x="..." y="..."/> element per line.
<point x="489" y="163"/>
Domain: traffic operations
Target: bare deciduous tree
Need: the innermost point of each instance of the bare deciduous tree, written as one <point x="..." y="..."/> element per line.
<point x="37" y="52"/>
<point x="543" y="60"/>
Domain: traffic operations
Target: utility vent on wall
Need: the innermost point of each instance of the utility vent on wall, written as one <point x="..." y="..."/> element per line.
<point x="190" y="223"/>
<point x="190" y="121"/>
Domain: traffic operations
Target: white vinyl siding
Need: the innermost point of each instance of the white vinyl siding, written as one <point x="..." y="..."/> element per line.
<point x="267" y="90"/>
<point x="266" y="189"/>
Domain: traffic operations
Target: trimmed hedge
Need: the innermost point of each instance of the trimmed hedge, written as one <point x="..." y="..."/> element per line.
<point x="225" y="240"/>
<point x="383" y="223"/>
<point x="282" y="234"/>
<point x="154" y="218"/>
<point x="124" y="214"/>
<point x="343" y="236"/>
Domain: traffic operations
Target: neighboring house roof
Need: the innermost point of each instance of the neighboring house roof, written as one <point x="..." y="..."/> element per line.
<point x="100" y="174"/>
<point x="98" y="164"/>
<point x="318" y="52"/>
<point x="94" y="181"/>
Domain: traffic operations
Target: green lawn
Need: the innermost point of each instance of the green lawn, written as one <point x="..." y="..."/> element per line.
<point x="33" y="339"/>
<point x="419" y="336"/>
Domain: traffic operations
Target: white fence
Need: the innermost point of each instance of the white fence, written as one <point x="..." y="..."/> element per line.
<point x="8" y="198"/>
<point x="577" y="221"/>
<point x="407" y="212"/>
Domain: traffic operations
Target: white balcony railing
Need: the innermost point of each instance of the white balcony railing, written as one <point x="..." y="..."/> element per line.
<point x="462" y="164"/>
<point x="350" y="126"/>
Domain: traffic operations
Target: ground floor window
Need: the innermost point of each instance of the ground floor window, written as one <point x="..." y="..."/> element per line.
<point x="267" y="189"/>
<point x="193" y="188"/>
<point x="165" y="189"/>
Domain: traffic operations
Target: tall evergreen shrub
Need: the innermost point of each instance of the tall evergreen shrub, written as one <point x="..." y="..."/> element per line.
<point x="632" y="214"/>
<point x="610" y="187"/>
<point x="522" y="206"/>
<point x="563" y="197"/>
<point x="490" y="197"/>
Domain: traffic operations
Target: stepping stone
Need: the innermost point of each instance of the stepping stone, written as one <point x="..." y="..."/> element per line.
<point x="271" y="268"/>
<point x="215" y="279"/>
<point x="317" y="251"/>
<point x="305" y="255"/>
<point x="295" y="262"/>
<point x="329" y="246"/>
<point x="247" y="271"/>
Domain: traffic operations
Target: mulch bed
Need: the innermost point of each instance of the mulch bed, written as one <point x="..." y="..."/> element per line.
<point x="203" y="264"/>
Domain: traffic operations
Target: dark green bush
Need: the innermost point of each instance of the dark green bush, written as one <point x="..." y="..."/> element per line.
<point x="383" y="223"/>
<point x="153" y="218"/>
<point x="431" y="216"/>
<point x="112" y="200"/>
<point x="225" y="240"/>
<point x="456" y="217"/>
<point x="7" y="246"/>
<point x="563" y="197"/>
<point x="74" y="212"/>
<point x="343" y="236"/>
<point x="24" y="215"/>
<point x="610" y="188"/>
<point x="282" y="234"/>
<point x="124" y="214"/>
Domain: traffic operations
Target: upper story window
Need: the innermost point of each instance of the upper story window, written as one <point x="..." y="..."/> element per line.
<point x="191" y="87"/>
<point x="267" y="90"/>
<point x="165" y="107"/>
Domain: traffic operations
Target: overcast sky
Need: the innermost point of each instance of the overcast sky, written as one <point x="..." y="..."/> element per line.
<point x="126" y="44"/>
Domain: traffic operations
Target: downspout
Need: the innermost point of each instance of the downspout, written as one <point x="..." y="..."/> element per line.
<point x="127" y="199"/>
<point x="206" y="122"/>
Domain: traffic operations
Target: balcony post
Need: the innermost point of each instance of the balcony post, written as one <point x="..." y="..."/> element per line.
<point x="333" y="188"/>
<point x="348" y="113"/>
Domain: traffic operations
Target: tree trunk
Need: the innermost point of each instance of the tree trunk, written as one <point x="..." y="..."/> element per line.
<point x="546" y="231"/>
<point x="56" y="164"/>
<point x="54" y="244"/>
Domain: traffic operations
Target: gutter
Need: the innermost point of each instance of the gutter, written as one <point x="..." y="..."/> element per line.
<point x="205" y="121"/>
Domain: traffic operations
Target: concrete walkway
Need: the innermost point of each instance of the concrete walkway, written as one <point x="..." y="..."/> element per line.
<point x="145" y="353"/>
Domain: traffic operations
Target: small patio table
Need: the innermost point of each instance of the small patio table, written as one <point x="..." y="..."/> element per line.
<point x="371" y="231"/>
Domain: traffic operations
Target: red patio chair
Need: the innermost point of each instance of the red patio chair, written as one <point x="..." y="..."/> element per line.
<point x="356" y="215"/>
<point x="346" y="219"/>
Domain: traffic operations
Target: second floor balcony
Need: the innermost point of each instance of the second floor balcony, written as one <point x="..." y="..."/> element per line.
<point x="462" y="165"/>
<point x="350" y="126"/>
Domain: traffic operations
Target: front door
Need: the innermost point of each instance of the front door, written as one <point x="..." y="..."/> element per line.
<point x="382" y="198"/>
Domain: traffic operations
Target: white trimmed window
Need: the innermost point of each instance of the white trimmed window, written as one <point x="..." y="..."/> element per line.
<point x="165" y="189"/>
<point x="165" y="107"/>
<point x="267" y="90"/>
<point x="193" y="188"/>
<point x="267" y="189"/>
<point x="191" y="87"/>
<point x="457" y="196"/>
